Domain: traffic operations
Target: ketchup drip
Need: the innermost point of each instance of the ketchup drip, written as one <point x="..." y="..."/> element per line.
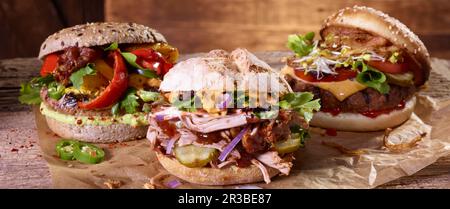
<point x="370" y="114"/>
<point x="333" y="111"/>
<point x="376" y="113"/>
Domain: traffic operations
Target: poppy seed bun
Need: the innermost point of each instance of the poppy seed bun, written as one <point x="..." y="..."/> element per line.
<point x="214" y="176"/>
<point x="97" y="34"/>
<point x="383" y="25"/>
<point x="359" y="122"/>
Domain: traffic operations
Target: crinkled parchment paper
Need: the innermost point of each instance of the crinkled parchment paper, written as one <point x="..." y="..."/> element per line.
<point x="348" y="160"/>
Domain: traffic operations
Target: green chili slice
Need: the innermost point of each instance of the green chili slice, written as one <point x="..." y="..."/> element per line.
<point x="65" y="149"/>
<point x="87" y="153"/>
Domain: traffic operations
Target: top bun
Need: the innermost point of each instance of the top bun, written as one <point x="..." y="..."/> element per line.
<point x="97" y="34"/>
<point x="381" y="24"/>
<point x="219" y="70"/>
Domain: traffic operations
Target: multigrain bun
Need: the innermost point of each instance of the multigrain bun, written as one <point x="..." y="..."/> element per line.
<point x="97" y="34"/>
<point x="214" y="176"/>
<point x="381" y="24"/>
<point x="357" y="122"/>
<point x="97" y="133"/>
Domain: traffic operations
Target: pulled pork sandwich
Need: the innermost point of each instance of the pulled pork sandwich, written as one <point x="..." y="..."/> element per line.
<point x="231" y="119"/>
<point x="98" y="80"/>
<point x="365" y="69"/>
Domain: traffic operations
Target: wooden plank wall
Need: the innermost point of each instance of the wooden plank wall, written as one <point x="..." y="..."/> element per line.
<point x="26" y="23"/>
<point x="201" y="25"/>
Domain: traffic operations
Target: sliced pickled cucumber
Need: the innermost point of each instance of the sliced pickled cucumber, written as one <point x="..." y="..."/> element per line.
<point x="193" y="156"/>
<point x="403" y="79"/>
<point x="290" y="145"/>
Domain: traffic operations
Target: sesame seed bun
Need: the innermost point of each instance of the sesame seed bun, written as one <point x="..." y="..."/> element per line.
<point x="97" y="34"/>
<point x="381" y="24"/>
<point x="358" y="122"/>
<point x="214" y="176"/>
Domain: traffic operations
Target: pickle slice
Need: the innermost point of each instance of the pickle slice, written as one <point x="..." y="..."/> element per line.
<point x="403" y="79"/>
<point x="290" y="145"/>
<point x="193" y="156"/>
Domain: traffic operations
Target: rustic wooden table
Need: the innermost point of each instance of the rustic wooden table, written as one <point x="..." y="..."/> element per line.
<point x="22" y="165"/>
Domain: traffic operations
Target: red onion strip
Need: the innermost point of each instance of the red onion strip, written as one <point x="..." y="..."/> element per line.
<point x="174" y="184"/>
<point x="171" y="144"/>
<point x="231" y="145"/>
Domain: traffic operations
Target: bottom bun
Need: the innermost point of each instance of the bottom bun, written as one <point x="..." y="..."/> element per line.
<point x="97" y="134"/>
<point x="359" y="122"/>
<point x="214" y="176"/>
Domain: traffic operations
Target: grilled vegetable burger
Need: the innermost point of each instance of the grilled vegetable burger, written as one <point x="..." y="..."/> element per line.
<point x="365" y="69"/>
<point x="99" y="80"/>
<point x="231" y="119"/>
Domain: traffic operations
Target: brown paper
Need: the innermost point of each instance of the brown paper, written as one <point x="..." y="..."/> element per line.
<point x="316" y="166"/>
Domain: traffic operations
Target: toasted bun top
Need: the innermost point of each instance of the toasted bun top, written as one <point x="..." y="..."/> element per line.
<point x="379" y="23"/>
<point x="219" y="70"/>
<point x="96" y="34"/>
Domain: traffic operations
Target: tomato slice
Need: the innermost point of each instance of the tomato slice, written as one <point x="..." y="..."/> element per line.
<point x="342" y="75"/>
<point x="151" y="59"/>
<point x="114" y="90"/>
<point x="49" y="65"/>
<point x="389" y="67"/>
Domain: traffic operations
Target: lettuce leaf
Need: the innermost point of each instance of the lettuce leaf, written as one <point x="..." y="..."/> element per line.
<point x="372" y="78"/>
<point x="301" y="102"/>
<point x="301" y="45"/>
<point x="30" y="92"/>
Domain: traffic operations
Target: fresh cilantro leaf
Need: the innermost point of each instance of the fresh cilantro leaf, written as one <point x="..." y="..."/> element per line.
<point x="148" y="96"/>
<point x="115" y="108"/>
<point x="300" y="102"/>
<point x="130" y="101"/>
<point x="77" y="77"/>
<point x="112" y="47"/>
<point x="30" y="92"/>
<point x="301" y="45"/>
<point x="372" y="78"/>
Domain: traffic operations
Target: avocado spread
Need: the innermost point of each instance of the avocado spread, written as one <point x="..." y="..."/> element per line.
<point x="136" y="119"/>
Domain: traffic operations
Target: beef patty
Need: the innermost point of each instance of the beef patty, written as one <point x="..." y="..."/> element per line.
<point x="366" y="100"/>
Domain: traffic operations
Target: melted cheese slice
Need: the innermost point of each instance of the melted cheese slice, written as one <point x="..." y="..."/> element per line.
<point x="340" y="89"/>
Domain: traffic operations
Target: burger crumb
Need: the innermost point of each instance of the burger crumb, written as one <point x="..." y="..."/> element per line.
<point x="149" y="185"/>
<point x="113" y="184"/>
<point x="70" y="165"/>
<point x="79" y="121"/>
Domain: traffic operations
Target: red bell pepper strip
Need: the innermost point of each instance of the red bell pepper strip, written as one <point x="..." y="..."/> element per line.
<point x="114" y="90"/>
<point x="49" y="65"/>
<point x="150" y="59"/>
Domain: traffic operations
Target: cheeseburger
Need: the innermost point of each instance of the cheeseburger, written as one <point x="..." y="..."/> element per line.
<point x="99" y="80"/>
<point x="230" y="119"/>
<point x="365" y="69"/>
